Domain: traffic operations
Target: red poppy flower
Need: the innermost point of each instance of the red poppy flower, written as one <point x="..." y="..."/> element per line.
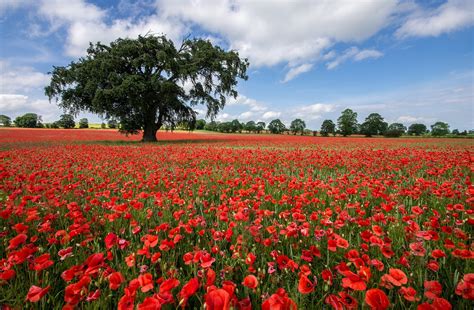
<point x="36" y="293"/>
<point x="16" y="241"/>
<point x="250" y="281"/>
<point x="409" y="293"/>
<point x="115" y="280"/>
<point x="305" y="286"/>
<point x="217" y="299"/>
<point x="465" y="287"/>
<point x="432" y="289"/>
<point x="188" y="290"/>
<point x="376" y="299"/>
<point x="150" y="303"/>
<point x="146" y="282"/>
<point x="279" y="301"/>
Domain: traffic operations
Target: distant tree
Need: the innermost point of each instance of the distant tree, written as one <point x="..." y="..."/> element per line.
<point x="225" y="127"/>
<point x="112" y="123"/>
<point x="395" y="130"/>
<point x="439" y="129"/>
<point x="276" y="126"/>
<point x="28" y="120"/>
<point x="347" y="122"/>
<point x="236" y="126"/>
<point x="328" y="127"/>
<point x="374" y="124"/>
<point x="83" y="123"/>
<point x="55" y="125"/>
<point x="102" y="125"/>
<point x="417" y="129"/>
<point x="211" y="126"/>
<point x="455" y="132"/>
<point x="260" y="126"/>
<point x="200" y="124"/>
<point x="297" y="125"/>
<point x="5" y="121"/>
<point x="250" y="126"/>
<point x="66" y="121"/>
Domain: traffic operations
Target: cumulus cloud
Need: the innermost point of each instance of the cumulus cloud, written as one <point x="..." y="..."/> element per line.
<point x="243" y="100"/>
<point x="270" y="115"/>
<point x="20" y="79"/>
<point x="294" y="72"/>
<point x="355" y="54"/>
<point x="312" y="111"/>
<point x="87" y="22"/>
<point x="448" y="17"/>
<point x="408" y="119"/>
<point x="15" y="105"/>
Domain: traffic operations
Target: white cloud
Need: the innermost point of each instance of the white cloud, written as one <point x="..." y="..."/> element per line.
<point x="450" y="16"/>
<point x="408" y="119"/>
<point x="243" y="100"/>
<point x="6" y="5"/>
<point x="88" y="23"/>
<point x="270" y="115"/>
<point x="355" y="54"/>
<point x="296" y="33"/>
<point x="14" y="105"/>
<point x="20" y="79"/>
<point x="313" y="111"/>
<point x="294" y="72"/>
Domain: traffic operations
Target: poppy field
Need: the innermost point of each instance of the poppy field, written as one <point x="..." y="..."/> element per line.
<point x="94" y="220"/>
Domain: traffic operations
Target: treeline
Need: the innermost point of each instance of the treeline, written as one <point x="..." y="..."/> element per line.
<point x="346" y="125"/>
<point x="66" y="121"/>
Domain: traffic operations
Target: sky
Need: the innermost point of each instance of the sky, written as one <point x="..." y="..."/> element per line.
<point x="410" y="61"/>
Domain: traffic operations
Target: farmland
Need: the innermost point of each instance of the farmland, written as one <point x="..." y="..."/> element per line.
<point x="95" y="220"/>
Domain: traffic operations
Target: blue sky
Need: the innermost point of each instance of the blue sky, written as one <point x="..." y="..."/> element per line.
<point x="410" y="61"/>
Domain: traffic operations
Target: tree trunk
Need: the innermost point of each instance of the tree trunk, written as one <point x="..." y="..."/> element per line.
<point x="149" y="132"/>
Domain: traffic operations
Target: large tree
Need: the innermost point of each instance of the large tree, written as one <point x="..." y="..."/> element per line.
<point x="439" y="129"/>
<point x="5" y="121"/>
<point x="276" y="126"/>
<point x="347" y="122"/>
<point x="141" y="82"/>
<point x="28" y="120"/>
<point x="328" y="127"/>
<point x="66" y="121"/>
<point x="297" y="125"/>
<point x="417" y="129"/>
<point x="374" y="124"/>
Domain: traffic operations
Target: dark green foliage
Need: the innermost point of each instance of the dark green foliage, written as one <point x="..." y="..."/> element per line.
<point x="374" y="124"/>
<point x="297" y="126"/>
<point x="28" y="120"/>
<point x="328" y="127"/>
<point x="5" y="121"/>
<point x="102" y="125"/>
<point x="250" y="126"/>
<point x="66" y="121"/>
<point x="140" y="82"/>
<point x="111" y="123"/>
<point x="395" y="130"/>
<point x="200" y="124"/>
<point x="260" y="126"/>
<point x="347" y="122"/>
<point x="83" y="123"/>
<point x="417" y="129"/>
<point x="276" y="126"/>
<point x="439" y="129"/>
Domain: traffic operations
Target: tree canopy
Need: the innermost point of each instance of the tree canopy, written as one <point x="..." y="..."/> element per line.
<point x="276" y="126"/>
<point x="147" y="82"/>
<point x="5" y="121"/>
<point x="328" y="127"/>
<point x="417" y="129"/>
<point x="439" y="129"/>
<point x="374" y="124"/>
<point x="297" y="125"/>
<point x="347" y="122"/>
<point x="66" y="121"/>
<point x="28" y="120"/>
